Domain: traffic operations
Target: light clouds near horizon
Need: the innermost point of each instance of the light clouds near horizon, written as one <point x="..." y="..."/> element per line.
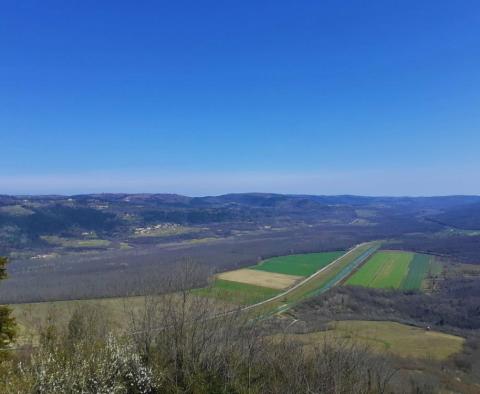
<point x="352" y="97"/>
<point x="423" y="183"/>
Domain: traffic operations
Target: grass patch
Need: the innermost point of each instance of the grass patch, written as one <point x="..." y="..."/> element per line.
<point x="389" y="337"/>
<point x="75" y="243"/>
<point x="298" y="264"/>
<point x="32" y="317"/>
<point x="15" y="210"/>
<point x="236" y="292"/>
<point x="385" y="270"/>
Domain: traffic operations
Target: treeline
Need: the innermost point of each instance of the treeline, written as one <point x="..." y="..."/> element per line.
<point x="456" y="305"/>
<point x="464" y="248"/>
<point x="463" y="217"/>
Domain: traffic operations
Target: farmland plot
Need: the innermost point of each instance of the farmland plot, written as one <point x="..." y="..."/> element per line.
<point x="419" y="268"/>
<point x="267" y="279"/>
<point x="236" y="292"/>
<point x="322" y="281"/>
<point x="260" y="278"/>
<point x="384" y="270"/>
<point x="388" y="337"/>
<point x="395" y="270"/>
<point x="298" y="264"/>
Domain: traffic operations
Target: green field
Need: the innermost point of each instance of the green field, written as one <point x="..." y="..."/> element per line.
<point x="236" y="292"/>
<point x="396" y="270"/>
<point x="385" y="270"/>
<point x="298" y="264"/>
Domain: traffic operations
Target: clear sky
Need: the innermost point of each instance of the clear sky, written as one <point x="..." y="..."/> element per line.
<point x="206" y="97"/>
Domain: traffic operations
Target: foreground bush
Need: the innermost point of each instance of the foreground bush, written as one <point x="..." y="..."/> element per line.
<point x="110" y="367"/>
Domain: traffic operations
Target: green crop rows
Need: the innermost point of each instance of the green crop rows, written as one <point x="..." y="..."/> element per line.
<point x="393" y="270"/>
<point x="419" y="268"/>
<point x="298" y="264"/>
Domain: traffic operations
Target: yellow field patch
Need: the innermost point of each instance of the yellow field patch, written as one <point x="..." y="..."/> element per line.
<point x="384" y="336"/>
<point x="272" y="280"/>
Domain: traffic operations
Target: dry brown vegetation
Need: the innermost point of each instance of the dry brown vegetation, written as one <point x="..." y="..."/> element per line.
<point x="260" y="278"/>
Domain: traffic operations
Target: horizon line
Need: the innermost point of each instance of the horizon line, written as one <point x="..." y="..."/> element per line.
<point x="262" y="193"/>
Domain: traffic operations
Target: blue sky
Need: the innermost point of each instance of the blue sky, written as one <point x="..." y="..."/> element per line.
<point x="207" y="97"/>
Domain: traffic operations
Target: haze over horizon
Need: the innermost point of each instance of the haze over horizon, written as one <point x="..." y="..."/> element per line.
<point x="196" y="185"/>
<point x="211" y="98"/>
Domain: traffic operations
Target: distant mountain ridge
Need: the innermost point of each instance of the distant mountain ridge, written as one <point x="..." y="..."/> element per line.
<point x="24" y="220"/>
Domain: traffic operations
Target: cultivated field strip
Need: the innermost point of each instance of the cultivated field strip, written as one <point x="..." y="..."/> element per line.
<point x="345" y="271"/>
<point x="271" y="280"/>
<point x="236" y="292"/>
<point x="419" y="268"/>
<point x="384" y="270"/>
<point x="393" y="270"/>
<point x="298" y="264"/>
